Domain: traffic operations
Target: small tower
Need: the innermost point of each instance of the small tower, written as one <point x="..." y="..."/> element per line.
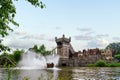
<point x="63" y="46"/>
<point x="108" y="54"/>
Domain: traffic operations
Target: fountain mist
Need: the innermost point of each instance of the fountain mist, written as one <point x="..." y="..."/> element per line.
<point x="32" y="60"/>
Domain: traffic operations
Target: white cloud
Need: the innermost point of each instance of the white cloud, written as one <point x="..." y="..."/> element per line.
<point x="84" y="29"/>
<point x="17" y="43"/>
<point x="86" y="34"/>
<point x="116" y="38"/>
<point x="25" y="35"/>
<point x="102" y="35"/>
<point x="83" y="37"/>
<point x="36" y="37"/>
<point x="23" y="40"/>
<point x="20" y="32"/>
<point x="57" y="28"/>
<point x="100" y="43"/>
<point x="52" y="40"/>
<point x="92" y="40"/>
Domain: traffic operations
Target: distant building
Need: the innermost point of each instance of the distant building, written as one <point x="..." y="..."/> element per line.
<point x="68" y="57"/>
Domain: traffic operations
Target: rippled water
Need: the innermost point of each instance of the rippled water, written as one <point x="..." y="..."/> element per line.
<point x="67" y="73"/>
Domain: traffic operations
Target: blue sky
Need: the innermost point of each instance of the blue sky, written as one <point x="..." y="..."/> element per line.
<point x="90" y="23"/>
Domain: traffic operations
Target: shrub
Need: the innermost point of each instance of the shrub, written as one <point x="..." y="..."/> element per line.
<point x="90" y="65"/>
<point x="117" y="56"/>
<point x="100" y="63"/>
<point x="112" y="65"/>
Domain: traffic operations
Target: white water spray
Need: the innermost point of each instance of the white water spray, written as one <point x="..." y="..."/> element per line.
<point x="52" y="59"/>
<point x="32" y="60"/>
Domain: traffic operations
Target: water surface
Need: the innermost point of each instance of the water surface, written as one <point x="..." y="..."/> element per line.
<point x="67" y="73"/>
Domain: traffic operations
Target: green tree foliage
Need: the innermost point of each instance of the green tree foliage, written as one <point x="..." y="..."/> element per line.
<point x="35" y="48"/>
<point x="42" y="50"/>
<point x="113" y="64"/>
<point x="117" y="56"/>
<point x="3" y="48"/>
<point x="100" y="63"/>
<point x="115" y="47"/>
<point x="7" y="15"/>
<point x="17" y="55"/>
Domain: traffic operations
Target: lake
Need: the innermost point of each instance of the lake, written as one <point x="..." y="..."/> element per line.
<point x="66" y="73"/>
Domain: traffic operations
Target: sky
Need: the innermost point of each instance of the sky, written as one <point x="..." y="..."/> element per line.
<point x="89" y="23"/>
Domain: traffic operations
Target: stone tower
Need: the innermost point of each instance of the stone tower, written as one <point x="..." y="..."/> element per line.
<point x="64" y="48"/>
<point x="108" y="54"/>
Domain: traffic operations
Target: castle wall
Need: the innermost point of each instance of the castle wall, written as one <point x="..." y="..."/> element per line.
<point x="82" y="60"/>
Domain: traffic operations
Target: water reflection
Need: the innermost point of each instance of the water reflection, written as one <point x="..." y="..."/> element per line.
<point x="96" y="74"/>
<point x="34" y="74"/>
<point x="81" y="73"/>
<point x="38" y="74"/>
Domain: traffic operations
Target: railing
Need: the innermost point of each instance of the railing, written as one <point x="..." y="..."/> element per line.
<point x="54" y="51"/>
<point x="71" y="49"/>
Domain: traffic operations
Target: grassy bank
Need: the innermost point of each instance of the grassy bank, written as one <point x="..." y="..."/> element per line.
<point x="101" y="63"/>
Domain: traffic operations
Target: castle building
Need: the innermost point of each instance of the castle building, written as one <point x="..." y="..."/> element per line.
<point x="64" y="48"/>
<point x="68" y="57"/>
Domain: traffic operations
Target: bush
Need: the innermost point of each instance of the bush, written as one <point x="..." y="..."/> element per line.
<point x="90" y="65"/>
<point x="100" y="63"/>
<point x="117" y="56"/>
<point x="17" y="55"/>
<point x="112" y="65"/>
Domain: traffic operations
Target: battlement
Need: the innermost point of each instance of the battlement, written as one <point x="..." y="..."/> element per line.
<point x="63" y="39"/>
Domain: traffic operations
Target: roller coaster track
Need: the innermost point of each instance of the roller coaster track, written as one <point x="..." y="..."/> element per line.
<point x="9" y="59"/>
<point x="53" y="51"/>
<point x="71" y="49"/>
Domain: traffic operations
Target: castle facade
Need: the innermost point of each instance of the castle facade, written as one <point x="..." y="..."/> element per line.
<point x="68" y="57"/>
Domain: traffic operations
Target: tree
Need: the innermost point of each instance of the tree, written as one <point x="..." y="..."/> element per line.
<point x="40" y="50"/>
<point x="117" y="56"/>
<point x="17" y="55"/>
<point x="3" y="48"/>
<point x="7" y="15"/>
<point x="115" y="47"/>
